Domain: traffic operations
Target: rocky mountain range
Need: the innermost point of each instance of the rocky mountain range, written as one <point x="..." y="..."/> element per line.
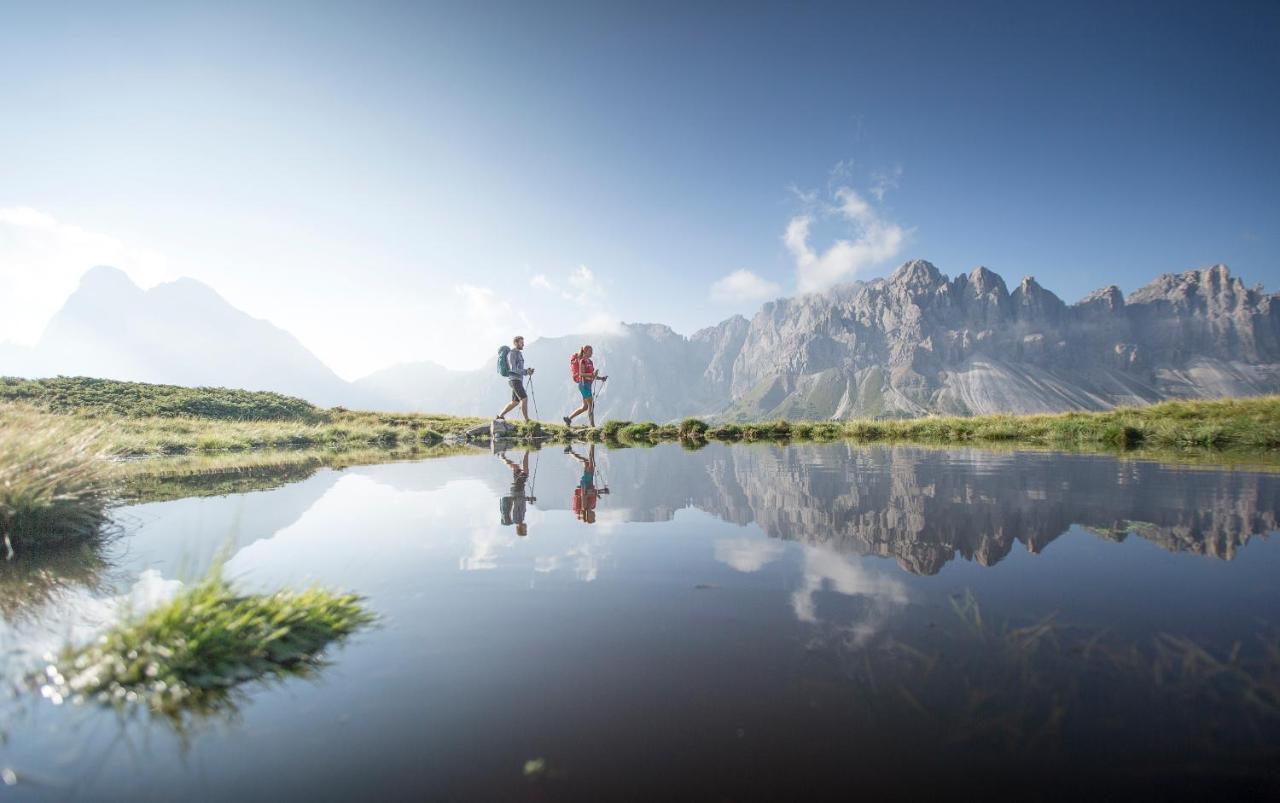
<point x="916" y="343"/>
<point x="913" y="343"/>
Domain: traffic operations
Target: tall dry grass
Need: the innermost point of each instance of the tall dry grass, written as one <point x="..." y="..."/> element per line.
<point x="54" y="480"/>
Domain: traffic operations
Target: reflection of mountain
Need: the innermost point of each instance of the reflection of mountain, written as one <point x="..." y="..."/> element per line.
<point x="924" y="507"/>
<point x="182" y="538"/>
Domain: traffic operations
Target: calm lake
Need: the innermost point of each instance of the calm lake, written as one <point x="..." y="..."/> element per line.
<point x="738" y="622"/>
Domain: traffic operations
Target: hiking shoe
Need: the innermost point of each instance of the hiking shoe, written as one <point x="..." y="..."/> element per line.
<point x="568" y="422"/>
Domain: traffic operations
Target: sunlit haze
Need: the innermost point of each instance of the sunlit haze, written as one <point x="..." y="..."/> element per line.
<point x="393" y="182"/>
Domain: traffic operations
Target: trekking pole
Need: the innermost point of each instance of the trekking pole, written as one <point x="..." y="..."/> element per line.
<point x="534" y="398"/>
<point x="533" y="482"/>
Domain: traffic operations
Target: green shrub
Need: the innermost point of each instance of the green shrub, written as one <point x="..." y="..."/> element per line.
<point x="638" y="432"/>
<point x="726" y="432"/>
<point x="611" y="429"/>
<point x="692" y="428"/>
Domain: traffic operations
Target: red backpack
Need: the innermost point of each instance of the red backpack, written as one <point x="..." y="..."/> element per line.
<point x="573" y="367"/>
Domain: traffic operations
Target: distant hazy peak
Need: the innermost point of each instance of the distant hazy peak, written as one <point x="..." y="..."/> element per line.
<point x="106" y="279"/>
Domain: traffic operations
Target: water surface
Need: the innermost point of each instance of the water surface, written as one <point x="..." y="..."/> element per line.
<point x="741" y="622"/>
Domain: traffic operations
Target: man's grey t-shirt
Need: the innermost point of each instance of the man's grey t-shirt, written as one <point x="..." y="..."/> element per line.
<point x="515" y="364"/>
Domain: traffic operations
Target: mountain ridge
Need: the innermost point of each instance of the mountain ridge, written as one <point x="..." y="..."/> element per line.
<point x="914" y="342"/>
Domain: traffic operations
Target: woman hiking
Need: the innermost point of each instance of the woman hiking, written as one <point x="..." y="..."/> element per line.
<point x="583" y="372"/>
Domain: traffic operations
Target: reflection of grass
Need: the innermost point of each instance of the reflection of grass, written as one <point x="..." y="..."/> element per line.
<point x="53" y="482"/>
<point x="1001" y="687"/>
<point x="162" y="478"/>
<point x="33" y="579"/>
<point x="188" y="653"/>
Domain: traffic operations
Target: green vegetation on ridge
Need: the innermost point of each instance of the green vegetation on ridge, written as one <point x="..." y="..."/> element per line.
<point x="139" y="419"/>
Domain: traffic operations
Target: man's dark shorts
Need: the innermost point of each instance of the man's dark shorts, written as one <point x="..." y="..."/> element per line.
<point x="517" y="390"/>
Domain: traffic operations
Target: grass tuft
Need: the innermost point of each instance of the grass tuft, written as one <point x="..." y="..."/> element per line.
<point x="53" y="480"/>
<point x="207" y="640"/>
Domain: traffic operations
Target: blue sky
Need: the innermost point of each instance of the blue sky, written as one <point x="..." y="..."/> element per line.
<point x="405" y="181"/>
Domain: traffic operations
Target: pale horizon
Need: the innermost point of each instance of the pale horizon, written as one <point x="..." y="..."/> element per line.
<point x="416" y="183"/>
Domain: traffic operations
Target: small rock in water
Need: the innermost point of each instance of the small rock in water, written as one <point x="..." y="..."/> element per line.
<point x="535" y="766"/>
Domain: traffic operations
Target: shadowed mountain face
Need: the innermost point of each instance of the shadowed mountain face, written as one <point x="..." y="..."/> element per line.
<point x="927" y="507"/>
<point x="910" y="344"/>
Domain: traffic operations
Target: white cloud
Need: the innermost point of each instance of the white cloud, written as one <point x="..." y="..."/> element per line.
<point x="487" y="320"/>
<point x="875" y="240"/>
<point x="748" y="554"/>
<point x="743" y="286"/>
<point x="882" y="181"/>
<point x="583" y="290"/>
<point x="42" y="260"/>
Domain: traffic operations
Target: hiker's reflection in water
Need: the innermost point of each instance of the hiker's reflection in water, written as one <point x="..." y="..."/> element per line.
<point x="586" y="494"/>
<point x="514" y="504"/>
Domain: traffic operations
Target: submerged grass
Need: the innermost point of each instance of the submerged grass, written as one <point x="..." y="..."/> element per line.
<point x="189" y="652"/>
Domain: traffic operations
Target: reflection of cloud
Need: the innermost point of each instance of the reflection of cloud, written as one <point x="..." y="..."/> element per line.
<point x="486" y="543"/>
<point x="748" y="554"/>
<point x="829" y="571"/>
<point x="586" y="561"/>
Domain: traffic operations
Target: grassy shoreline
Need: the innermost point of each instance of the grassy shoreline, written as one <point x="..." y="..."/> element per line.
<point x="138" y="419"/>
<point x="64" y="442"/>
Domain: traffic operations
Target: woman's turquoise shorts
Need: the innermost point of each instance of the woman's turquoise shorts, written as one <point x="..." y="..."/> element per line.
<point x="585" y="389"/>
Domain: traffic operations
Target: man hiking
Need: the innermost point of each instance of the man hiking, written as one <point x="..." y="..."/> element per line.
<point x="583" y="372"/>
<point x="514" y="505"/>
<point x="515" y="374"/>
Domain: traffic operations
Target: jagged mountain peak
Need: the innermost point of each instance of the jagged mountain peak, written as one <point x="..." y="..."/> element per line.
<point x="1197" y="282"/>
<point x="985" y="281"/>
<point x="1110" y="297"/>
<point x="917" y="274"/>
